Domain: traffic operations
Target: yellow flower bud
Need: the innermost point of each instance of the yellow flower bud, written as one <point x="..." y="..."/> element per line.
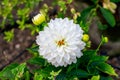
<point x="109" y="5"/>
<point x="113" y="5"/>
<point x="105" y="39"/>
<point x="75" y="78"/>
<point x="38" y="19"/>
<point x="106" y="1"/>
<point x="72" y="10"/>
<point x="85" y="38"/>
<point x="77" y="14"/>
<point x="88" y="44"/>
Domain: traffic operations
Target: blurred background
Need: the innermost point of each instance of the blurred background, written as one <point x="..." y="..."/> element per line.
<point x="17" y="31"/>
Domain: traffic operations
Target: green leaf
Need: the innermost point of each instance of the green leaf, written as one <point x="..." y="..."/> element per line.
<point x="95" y="77"/>
<point x="115" y="0"/>
<point x="79" y="73"/>
<point x="91" y="67"/>
<point x="19" y="70"/>
<point x="60" y="15"/>
<point x="102" y="26"/>
<point x="41" y="26"/>
<point x="53" y="73"/>
<point x="93" y="62"/>
<point x="106" y="68"/>
<point x="9" y="35"/>
<point x="87" y="55"/>
<point x="62" y="4"/>
<point x="71" y="67"/>
<point x="34" y="50"/>
<point x="99" y="58"/>
<point x="6" y="72"/>
<point x="90" y="52"/>
<point x="108" y="16"/>
<point x="85" y="18"/>
<point x="27" y="75"/>
<point x="84" y="60"/>
<point x="106" y="78"/>
<point x="85" y="14"/>
<point x="61" y="76"/>
<point x="38" y="77"/>
<point x="45" y="72"/>
<point x="69" y="1"/>
<point x="37" y="61"/>
<point x="95" y="1"/>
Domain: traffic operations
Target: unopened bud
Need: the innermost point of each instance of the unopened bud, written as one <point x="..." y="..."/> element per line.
<point x="72" y="10"/>
<point x="38" y="19"/>
<point x="105" y="39"/>
<point x="88" y="44"/>
<point x="109" y="5"/>
<point x="85" y="38"/>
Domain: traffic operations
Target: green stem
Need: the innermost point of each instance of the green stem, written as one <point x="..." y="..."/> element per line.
<point x="27" y="77"/>
<point x="99" y="46"/>
<point x="16" y="78"/>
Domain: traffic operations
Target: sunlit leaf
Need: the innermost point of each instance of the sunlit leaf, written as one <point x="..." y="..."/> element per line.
<point x="38" y="76"/>
<point x="99" y="58"/>
<point x="19" y="70"/>
<point x="106" y="68"/>
<point x="9" y="35"/>
<point x="69" y="1"/>
<point x="95" y="77"/>
<point x="6" y="72"/>
<point x="27" y="75"/>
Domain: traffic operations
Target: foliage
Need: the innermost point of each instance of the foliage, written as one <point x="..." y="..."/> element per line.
<point x="108" y="16"/>
<point x="90" y="66"/>
<point x="9" y="35"/>
<point x="8" y="8"/>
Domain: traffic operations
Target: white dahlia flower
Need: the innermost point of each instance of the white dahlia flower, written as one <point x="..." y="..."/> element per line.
<point x="61" y="42"/>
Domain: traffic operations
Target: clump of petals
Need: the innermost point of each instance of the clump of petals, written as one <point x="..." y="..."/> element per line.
<point x="61" y="42"/>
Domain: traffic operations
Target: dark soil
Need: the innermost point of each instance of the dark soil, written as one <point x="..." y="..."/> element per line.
<point x="15" y="51"/>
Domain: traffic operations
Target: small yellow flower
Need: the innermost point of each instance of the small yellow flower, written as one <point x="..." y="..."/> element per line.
<point x="85" y="38"/>
<point x="38" y="19"/>
<point x="109" y="5"/>
<point x="73" y="11"/>
<point x="77" y="14"/>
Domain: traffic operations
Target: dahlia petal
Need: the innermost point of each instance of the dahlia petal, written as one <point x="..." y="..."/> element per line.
<point x="61" y="42"/>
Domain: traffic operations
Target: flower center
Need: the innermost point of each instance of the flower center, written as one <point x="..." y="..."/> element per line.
<point x="61" y="42"/>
